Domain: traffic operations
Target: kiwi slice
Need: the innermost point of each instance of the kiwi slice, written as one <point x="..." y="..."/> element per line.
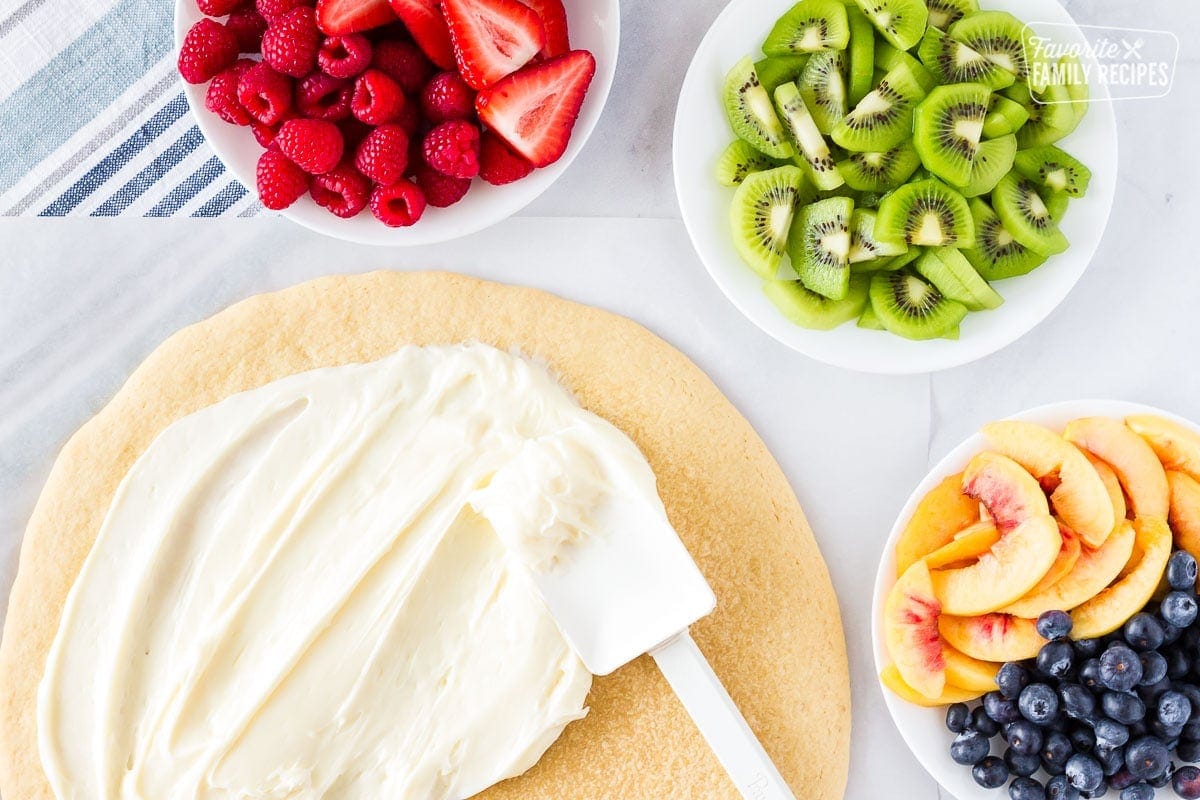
<point x="944" y="13"/>
<point x="908" y="306"/>
<point x="809" y="26"/>
<point x="1025" y="215"/>
<point x="948" y="126"/>
<point x="992" y="162"/>
<point x="902" y="22"/>
<point x="997" y="254"/>
<point x="882" y="119"/>
<point x="1004" y="117"/>
<point x="952" y="274"/>
<point x="1056" y="203"/>
<point x="1074" y="78"/>
<point x="863" y="244"/>
<point x="888" y="57"/>
<point x="761" y="216"/>
<point x="880" y="171"/>
<point x="1051" y="116"/>
<point x="1053" y="169"/>
<point x="819" y="246"/>
<point x="1002" y="39"/>
<point x="739" y="160"/>
<point x="868" y="320"/>
<point x="951" y="61"/>
<point x="810" y="144"/>
<point x="751" y="114"/>
<point x="823" y="87"/>
<point x="775" y="70"/>
<point x="808" y="309"/>
<point x="861" y="55"/>
<point x="927" y="213"/>
<point x="889" y="263"/>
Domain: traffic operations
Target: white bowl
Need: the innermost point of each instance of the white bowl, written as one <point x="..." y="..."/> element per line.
<point x="702" y="133"/>
<point x="595" y="25"/>
<point x="924" y="729"/>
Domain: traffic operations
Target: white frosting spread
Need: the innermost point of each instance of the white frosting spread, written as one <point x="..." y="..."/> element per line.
<point x="321" y="589"/>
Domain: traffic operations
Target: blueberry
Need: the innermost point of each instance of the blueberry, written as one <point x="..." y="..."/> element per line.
<point x="1020" y="764"/>
<point x="1146" y="758"/>
<point x="1123" y="707"/>
<point x="981" y="722"/>
<point x="1089" y="674"/>
<point x="1162" y="780"/>
<point x="1138" y="791"/>
<point x="1038" y="703"/>
<point x="1191" y="731"/>
<point x="969" y="747"/>
<point x="1000" y="709"/>
<point x="1174" y="709"/>
<point x="1121" y="780"/>
<point x="1151" y="693"/>
<point x="1099" y="791"/>
<point x="1083" y="739"/>
<point x="1011" y="679"/>
<point x="1181" y="571"/>
<point x="1056" y="749"/>
<point x="1186" y="782"/>
<point x="1026" y="788"/>
<point x="1111" y="733"/>
<point x="1143" y="632"/>
<point x="1059" y="788"/>
<point x="1087" y="648"/>
<point x="1154" y="668"/>
<point x="1179" y="608"/>
<point x="1190" y="691"/>
<point x="1056" y="659"/>
<point x="1023" y="736"/>
<point x="1188" y="751"/>
<point x="1177" y="664"/>
<point x="1054" y="625"/>
<point x="1120" y="668"/>
<point x="1084" y="772"/>
<point x="1164" y="731"/>
<point x="1171" y="633"/>
<point x="1190" y="638"/>
<point x="1076" y="701"/>
<point x="958" y="716"/>
<point x="990" y="773"/>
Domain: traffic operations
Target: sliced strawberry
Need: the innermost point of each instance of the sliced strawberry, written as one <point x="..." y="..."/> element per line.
<point x="534" y="110"/>
<point x="341" y="17"/>
<point x="492" y="38"/>
<point x="425" y="22"/>
<point x="554" y="20"/>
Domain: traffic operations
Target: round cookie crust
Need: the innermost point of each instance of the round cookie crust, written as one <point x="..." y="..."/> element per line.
<point x="775" y="639"/>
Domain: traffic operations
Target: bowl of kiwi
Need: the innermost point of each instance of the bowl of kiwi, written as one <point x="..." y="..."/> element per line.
<point x="894" y="186"/>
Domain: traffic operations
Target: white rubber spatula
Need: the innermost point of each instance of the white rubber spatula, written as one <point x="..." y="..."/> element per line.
<point x="631" y="591"/>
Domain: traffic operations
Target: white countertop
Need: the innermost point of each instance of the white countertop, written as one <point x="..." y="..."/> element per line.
<point x="83" y="301"/>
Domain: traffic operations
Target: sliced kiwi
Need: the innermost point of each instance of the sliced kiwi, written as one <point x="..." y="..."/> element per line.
<point x="860" y="54"/>
<point x="908" y="306"/>
<point x="1024" y="213"/>
<point x="948" y="126"/>
<point x="1004" y="117"/>
<point x="927" y="213"/>
<point x="889" y="263"/>
<point x="810" y="144"/>
<point x="1051" y="115"/>
<point x="1053" y="169"/>
<point x="809" y="26"/>
<point x="882" y="119"/>
<point x="952" y="274"/>
<point x="997" y="254"/>
<point x="761" y="216"/>
<point x="740" y="159"/>
<point x="999" y="37"/>
<point x="888" y="57"/>
<point x="868" y="320"/>
<point x="944" y="13"/>
<point x="1072" y="75"/>
<point x="751" y="114"/>
<point x="882" y="171"/>
<point x="808" y="309"/>
<point x="823" y="87"/>
<point x="992" y="162"/>
<point x="901" y="22"/>
<point x="775" y="70"/>
<point x="1056" y="203"/>
<point x="819" y="246"/>
<point x="951" y="61"/>
<point x="863" y="244"/>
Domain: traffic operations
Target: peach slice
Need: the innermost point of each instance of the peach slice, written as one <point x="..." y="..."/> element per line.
<point x="892" y="679"/>
<point x="992" y="637"/>
<point x="1004" y="574"/>
<point x="1067" y="557"/>
<point x="1009" y="493"/>
<point x="1140" y="472"/>
<point x="1177" y="447"/>
<point x="1078" y="495"/>
<point x="1110" y="609"/>
<point x="1095" y="569"/>
<point x="1185" y="511"/>
<point x="942" y="513"/>
<point x="967" y="546"/>
<point x="910" y="622"/>
<point x="965" y="672"/>
<point x="1113" y="484"/>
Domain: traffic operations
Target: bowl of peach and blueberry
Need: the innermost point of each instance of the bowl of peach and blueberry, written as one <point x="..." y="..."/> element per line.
<point x="1035" y="612"/>
<point x="401" y="122"/>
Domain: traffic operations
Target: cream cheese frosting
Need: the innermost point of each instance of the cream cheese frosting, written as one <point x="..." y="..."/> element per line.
<point x="322" y="588"/>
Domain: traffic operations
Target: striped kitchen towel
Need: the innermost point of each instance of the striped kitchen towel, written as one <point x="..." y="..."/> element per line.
<point x="93" y="121"/>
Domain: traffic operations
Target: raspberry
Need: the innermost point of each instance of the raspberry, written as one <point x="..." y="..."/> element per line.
<point x="217" y="8"/>
<point x="313" y="144"/>
<point x="377" y="98"/>
<point x="383" y="154"/>
<point x="321" y="97"/>
<point x="291" y="42"/>
<point x="452" y="148"/>
<point x="403" y="62"/>
<point x="248" y="26"/>
<point x="265" y="94"/>
<point x="280" y="182"/>
<point x="398" y="205"/>
<point x="447" y="96"/>
<point x="263" y="134"/>
<point x="208" y="48"/>
<point x="342" y="191"/>
<point x="353" y="132"/>
<point x="222" y="95"/>
<point x="498" y="165"/>
<point x="345" y="56"/>
<point x="441" y="190"/>
<point x="410" y="119"/>
<point x="270" y="9"/>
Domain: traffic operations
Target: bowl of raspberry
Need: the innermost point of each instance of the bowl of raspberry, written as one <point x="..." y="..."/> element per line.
<point x="397" y="122"/>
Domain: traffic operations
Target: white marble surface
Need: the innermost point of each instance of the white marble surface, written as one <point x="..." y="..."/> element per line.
<point x="81" y="302"/>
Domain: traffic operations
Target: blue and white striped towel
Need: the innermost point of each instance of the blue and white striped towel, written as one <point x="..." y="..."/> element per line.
<point x="93" y="121"/>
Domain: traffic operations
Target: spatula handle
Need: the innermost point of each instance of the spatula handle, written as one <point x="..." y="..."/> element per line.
<point x="719" y="720"/>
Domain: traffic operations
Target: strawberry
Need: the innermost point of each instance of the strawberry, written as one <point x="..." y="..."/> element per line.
<point x="339" y="17"/>
<point x="425" y="22"/>
<point x="534" y="110"/>
<point x="492" y="38"/>
<point x="554" y="20"/>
